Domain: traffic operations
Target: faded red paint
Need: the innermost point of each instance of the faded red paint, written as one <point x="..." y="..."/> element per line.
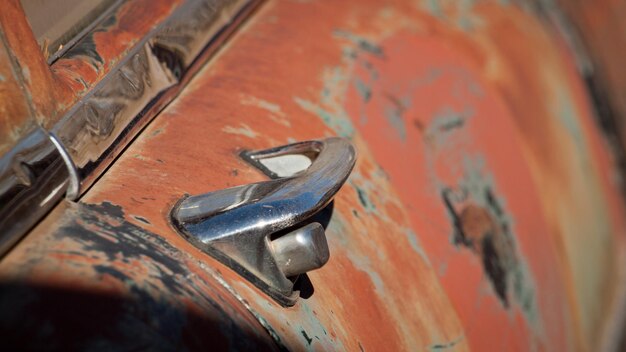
<point x="600" y="30"/>
<point x="37" y="81"/>
<point x="87" y="279"/>
<point x="527" y="76"/>
<point x="482" y="212"/>
<point x="456" y="127"/>
<point x="377" y="291"/>
<point x="392" y="51"/>
<point x="15" y="115"/>
<point x="417" y="69"/>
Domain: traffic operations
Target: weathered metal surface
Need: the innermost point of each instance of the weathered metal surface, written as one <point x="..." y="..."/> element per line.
<point x="484" y="212"/>
<point x="378" y="290"/>
<point x="496" y="107"/>
<point x="86" y="279"/>
<point x="16" y="112"/>
<point x="600" y="31"/>
<point x="42" y="167"/>
<point x="528" y="63"/>
<point x="369" y="257"/>
<point x="98" y="127"/>
<point x="36" y="80"/>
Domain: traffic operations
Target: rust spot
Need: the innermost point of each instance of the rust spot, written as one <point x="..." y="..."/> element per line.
<point x="419" y="125"/>
<point x="484" y="229"/>
<point x="481" y="233"/>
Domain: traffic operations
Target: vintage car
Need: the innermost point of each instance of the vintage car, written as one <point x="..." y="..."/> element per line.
<point x="359" y="175"/>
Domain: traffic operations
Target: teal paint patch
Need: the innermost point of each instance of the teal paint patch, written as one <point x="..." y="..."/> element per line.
<point x="365" y="186"/>
<point x="364" y="200"/>
<point x="394" y="113"/>
<point x="26" y="74"/>
<point x="330" y="107"/>
<point x="434" y="8"/>
<point x="364" y="91"/>
<point x="570" y="120"/>
<point x="362" y="43"/>
<point x="2" y="78"/>
<point x="466" y="20"/>
<point x="349" y="53"/>
<point x="436" y="347"/>
<point x="463" y="16"/>
<point x="358" y="259"/>
<point x="415" y="245"/>
<point x="502" y="260"/>
<point x="338" y="123"/>
<point x="376" y="279"/>
<point x="373" y="73"/>
<point x="312" y="328"/>
<point x="445" y="122"/>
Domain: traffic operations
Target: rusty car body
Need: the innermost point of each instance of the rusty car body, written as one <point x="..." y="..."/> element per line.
<point x="485" y="210"/>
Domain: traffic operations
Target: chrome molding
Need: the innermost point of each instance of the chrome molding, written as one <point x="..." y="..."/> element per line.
<point x="44" y="165"/>
<point x="33" y="178"/>
<point x="100" y="126"/>
<point x="257" y="230"/>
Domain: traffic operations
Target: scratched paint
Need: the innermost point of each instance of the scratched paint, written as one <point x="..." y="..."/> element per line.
<point x="445" y="120"/>
<point x="16" y="117"/>
<point x="368" y="226"/>
<point x="444" y="101"/>
<point x="99" y="282"/>
<point x="359" y="252"/>
<point x="36" y="80"/>
<point x="482" y="99"/>
<point x="571" y="112"/>
<point x="243" y="130"/>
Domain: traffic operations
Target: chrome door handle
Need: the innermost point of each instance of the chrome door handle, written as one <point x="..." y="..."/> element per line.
<point x="254" y="228"/>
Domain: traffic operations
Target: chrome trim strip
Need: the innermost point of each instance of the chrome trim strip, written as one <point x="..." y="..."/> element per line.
<point x="44" y="165"/>
<point x="74" y="182"/>
<point x="33" y="178"/>
<point x="100" y="126"/>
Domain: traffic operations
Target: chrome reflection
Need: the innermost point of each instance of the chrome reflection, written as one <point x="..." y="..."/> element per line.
<point x="33" y="177"/>
<point x="236" y="225"/>
<point x="95" y="131"/>
<point x="43" y="166"/>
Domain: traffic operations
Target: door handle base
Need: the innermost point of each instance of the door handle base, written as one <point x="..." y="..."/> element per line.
<point x="257" y="229"/>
